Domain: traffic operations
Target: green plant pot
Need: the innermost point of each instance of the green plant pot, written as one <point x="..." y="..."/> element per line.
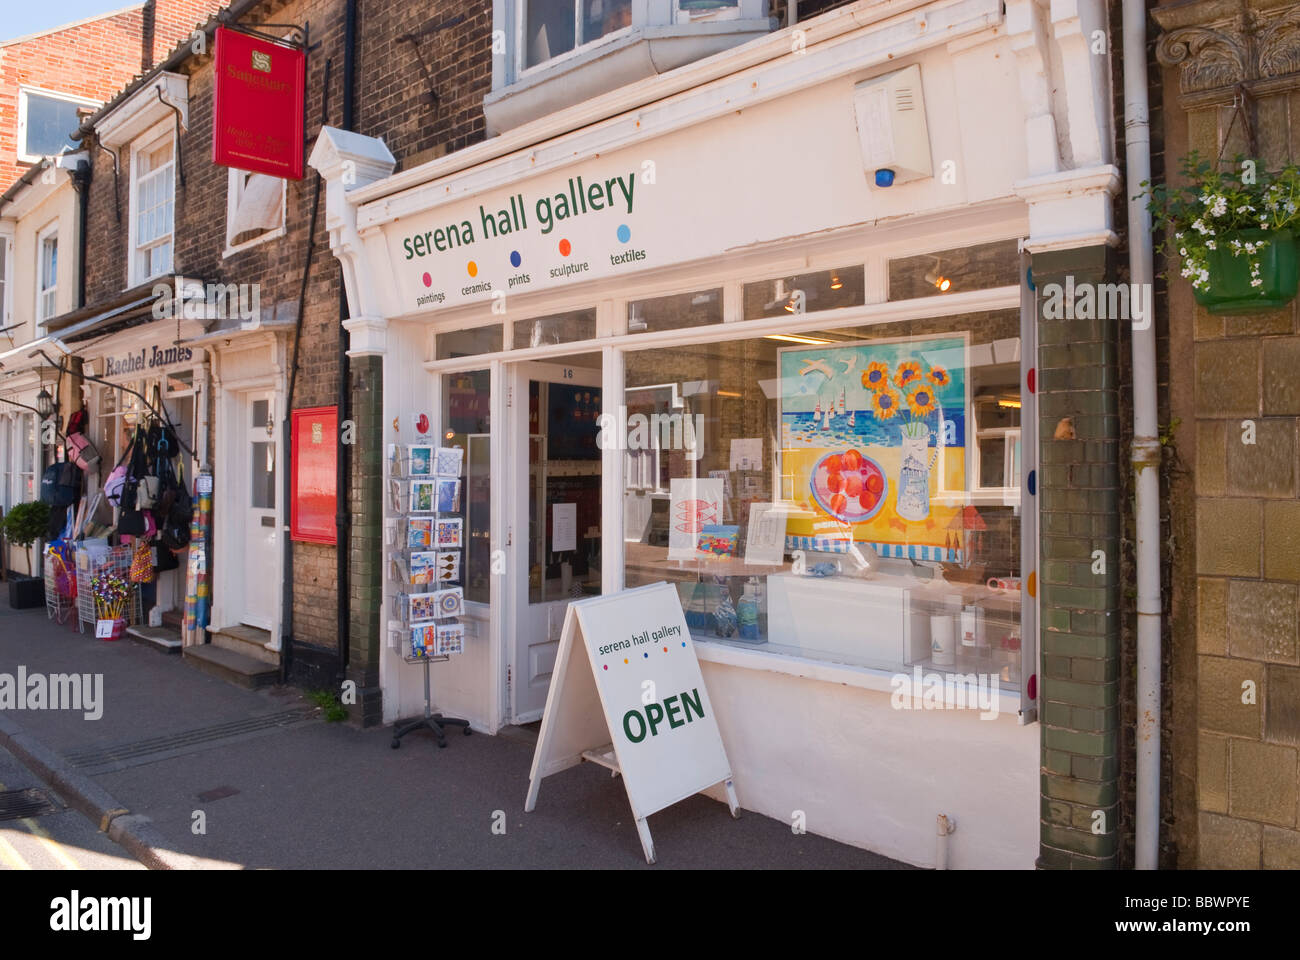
<point x="1230" y="291"/>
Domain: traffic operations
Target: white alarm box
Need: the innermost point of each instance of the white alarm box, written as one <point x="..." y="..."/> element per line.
<point x="892" y="129"/>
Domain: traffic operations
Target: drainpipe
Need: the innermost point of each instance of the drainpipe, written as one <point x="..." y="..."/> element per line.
<point x="1146" y="446"/>
<point x="343" y="459"/>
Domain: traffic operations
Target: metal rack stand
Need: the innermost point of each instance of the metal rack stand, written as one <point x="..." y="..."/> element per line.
<point x="431" y="720"/>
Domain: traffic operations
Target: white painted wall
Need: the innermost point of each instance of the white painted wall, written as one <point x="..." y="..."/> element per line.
<point x="875" y="777"/>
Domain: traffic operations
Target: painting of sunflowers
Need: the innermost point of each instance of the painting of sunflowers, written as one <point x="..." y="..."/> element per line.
<point x="873" y="444"/>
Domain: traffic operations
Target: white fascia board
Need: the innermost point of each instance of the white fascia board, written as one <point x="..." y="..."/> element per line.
<point x="143" y="109"/>
<point x="778" y="73"/>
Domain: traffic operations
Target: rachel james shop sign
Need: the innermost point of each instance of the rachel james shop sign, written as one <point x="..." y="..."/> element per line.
<point x="151" y="357"/>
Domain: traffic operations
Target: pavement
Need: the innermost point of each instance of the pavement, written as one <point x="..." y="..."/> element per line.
<point x="184" y="770"/>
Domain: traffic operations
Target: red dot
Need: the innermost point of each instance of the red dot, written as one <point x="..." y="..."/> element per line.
<point x="565" y="248"/>
<point x="607" y="666"/>
<point x="428" y="280"/>
<point x="1029" y="378"/>
<point x="665" y="649"/>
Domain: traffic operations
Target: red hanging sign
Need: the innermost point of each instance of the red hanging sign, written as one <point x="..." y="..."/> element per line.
<point x="257" y="105"/>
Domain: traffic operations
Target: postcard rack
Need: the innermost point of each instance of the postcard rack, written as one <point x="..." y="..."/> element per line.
<point x="424" y="540"/>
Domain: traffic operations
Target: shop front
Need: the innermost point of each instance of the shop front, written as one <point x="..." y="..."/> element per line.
<point x="705" y="343"/>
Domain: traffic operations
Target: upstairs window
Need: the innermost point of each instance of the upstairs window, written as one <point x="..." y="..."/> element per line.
<point x="254" y="209"/>
<point x="47" y="279"/>
<point x="556" y="27"/>
<point x="153" y="198"/>
<point x="46" y="122"/>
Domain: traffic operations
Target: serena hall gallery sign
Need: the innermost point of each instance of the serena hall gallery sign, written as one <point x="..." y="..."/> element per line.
<point x="258" y="105"/>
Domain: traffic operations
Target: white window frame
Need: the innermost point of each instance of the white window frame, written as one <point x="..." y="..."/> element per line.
<point x="23" y="92"/>
<point x="6" y="280"/>
<point x="146" y="142"/>
<point x="579" y="47"/>
<point x="235" y="183"/>
<point x="7" y="421"/>
<point x="705" y="16"/>
<point x="49" y="232"/>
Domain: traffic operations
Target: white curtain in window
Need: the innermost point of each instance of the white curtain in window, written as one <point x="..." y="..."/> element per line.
<point x="259" y="205"/>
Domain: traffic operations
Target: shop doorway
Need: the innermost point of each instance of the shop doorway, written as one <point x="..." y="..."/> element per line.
<point x="555" y="480"/>
<point x="256" y="505"/>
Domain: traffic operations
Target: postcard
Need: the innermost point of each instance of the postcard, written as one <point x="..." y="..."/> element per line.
<point x="449" y="461"/>
<point x="419" y="533"/>
<point x="424" y="641"/>
<point x="422" y="494"/>
<point x="448" y="566"/>
<point x="422" y="606"/>
<point x="419" y="461"/>
<point x="422" y="565"/>
<point x="447" y="533"/>
<point x="450" y="639"/>
<point x="449" y="603"/>
<point x="448" y="495"/>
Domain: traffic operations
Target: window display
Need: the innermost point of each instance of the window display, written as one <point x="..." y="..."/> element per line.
<point x="835" y="495"/>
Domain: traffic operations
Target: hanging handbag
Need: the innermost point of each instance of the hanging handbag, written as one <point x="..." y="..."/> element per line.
<point x="142" y="563"/>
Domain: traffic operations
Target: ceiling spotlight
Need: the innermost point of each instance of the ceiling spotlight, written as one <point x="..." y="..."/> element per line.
<point x="936" y="277"/>
<point x="836" y="282"/>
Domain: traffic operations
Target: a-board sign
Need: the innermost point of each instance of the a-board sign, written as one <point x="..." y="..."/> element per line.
<point x="627" y="693"/>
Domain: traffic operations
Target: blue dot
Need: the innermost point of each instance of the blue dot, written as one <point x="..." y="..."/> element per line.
<point x="515" y="259"/>
<point x="646" y="655"/>
<point x="624" y="233"/>
<point x="683" y="643"/>
<point x="1032" y="481"/>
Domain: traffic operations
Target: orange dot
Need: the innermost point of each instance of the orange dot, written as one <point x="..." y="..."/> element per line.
<point x="472" y="269"/>
<point x="625" y="659"/>
<point x="665" y="649"/>
<point x="565" y="248"/>
<point x="1033" y="584"/>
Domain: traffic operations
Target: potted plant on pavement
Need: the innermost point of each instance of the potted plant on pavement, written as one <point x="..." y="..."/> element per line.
<point x="1233" y="232"/>
<point x="23" y="526"/>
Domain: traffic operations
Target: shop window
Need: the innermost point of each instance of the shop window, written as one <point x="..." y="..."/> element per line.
<point x="823" y="498"/>
<point x="255" y="204"/>
<point x="47" y="279"/>
<point x="676" y="312"/>
<point x="153" y="198"/>
<point x="979" y="267"/>
<point x="556" y="27"/>
<point x="806" y="293"/>
<point x="17" y="459"/>
<point x="469" y="343"/>
<point x="466" y="408"/>
<point x="46" y="122"/>
<point x="560" y="328"/>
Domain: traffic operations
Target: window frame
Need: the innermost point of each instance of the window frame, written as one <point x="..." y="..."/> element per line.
<point x="521" y="68"/>
<point x="146" y="142"/>
<point x="50" y="232"/>
<point x="235" y="185"/>
<point x="6" y="278"/>
<point x="26" y="90"/>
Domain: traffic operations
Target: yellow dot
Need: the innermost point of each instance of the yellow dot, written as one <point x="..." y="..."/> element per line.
<point x="1033" y="584"/>
<point x="472" y="267"/>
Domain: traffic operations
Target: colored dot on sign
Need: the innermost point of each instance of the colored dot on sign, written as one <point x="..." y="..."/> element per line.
<point x="428" y="280"/>
<point x="1033" y="584"/>
<point x="1033" y="482"/>
<point x="472" y="268"/>
<point x="607" y="666"/>
<point x="515" y="259"/>
<point x="1029" y="378"/>
<point x="665" y="649"/>
<point x="683" y="643"/>
<point x="625" y="659"/>
<point x="646" y="655"/>
<point x="565" y="248"/>
<point x="624" y="234"/>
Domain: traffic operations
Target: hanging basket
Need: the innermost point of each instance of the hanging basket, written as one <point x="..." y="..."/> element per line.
<point x="1230" y="291"/>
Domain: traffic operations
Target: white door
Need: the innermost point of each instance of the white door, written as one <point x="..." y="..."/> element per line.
<point x="554" y="556"/>
<point x="260" y="489"/>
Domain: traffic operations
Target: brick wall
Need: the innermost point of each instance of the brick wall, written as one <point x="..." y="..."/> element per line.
<point x="93" y="60"/>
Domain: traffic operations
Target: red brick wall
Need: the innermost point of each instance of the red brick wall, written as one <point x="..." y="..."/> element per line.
<point x="93" y="60"/>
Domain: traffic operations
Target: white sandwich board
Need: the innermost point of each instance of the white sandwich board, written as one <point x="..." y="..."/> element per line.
<point x="627" y="693"/>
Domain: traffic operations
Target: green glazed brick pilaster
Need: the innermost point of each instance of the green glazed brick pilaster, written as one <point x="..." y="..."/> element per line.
<point x="367" y="374"/>
<point x="1080" y="508"/>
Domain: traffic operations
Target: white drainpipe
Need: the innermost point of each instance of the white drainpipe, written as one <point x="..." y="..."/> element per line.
<point x="1146" y="446"/>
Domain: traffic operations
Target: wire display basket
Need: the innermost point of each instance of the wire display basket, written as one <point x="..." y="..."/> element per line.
<point x="60" y="588"/>
<point x="115" y="561"/>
